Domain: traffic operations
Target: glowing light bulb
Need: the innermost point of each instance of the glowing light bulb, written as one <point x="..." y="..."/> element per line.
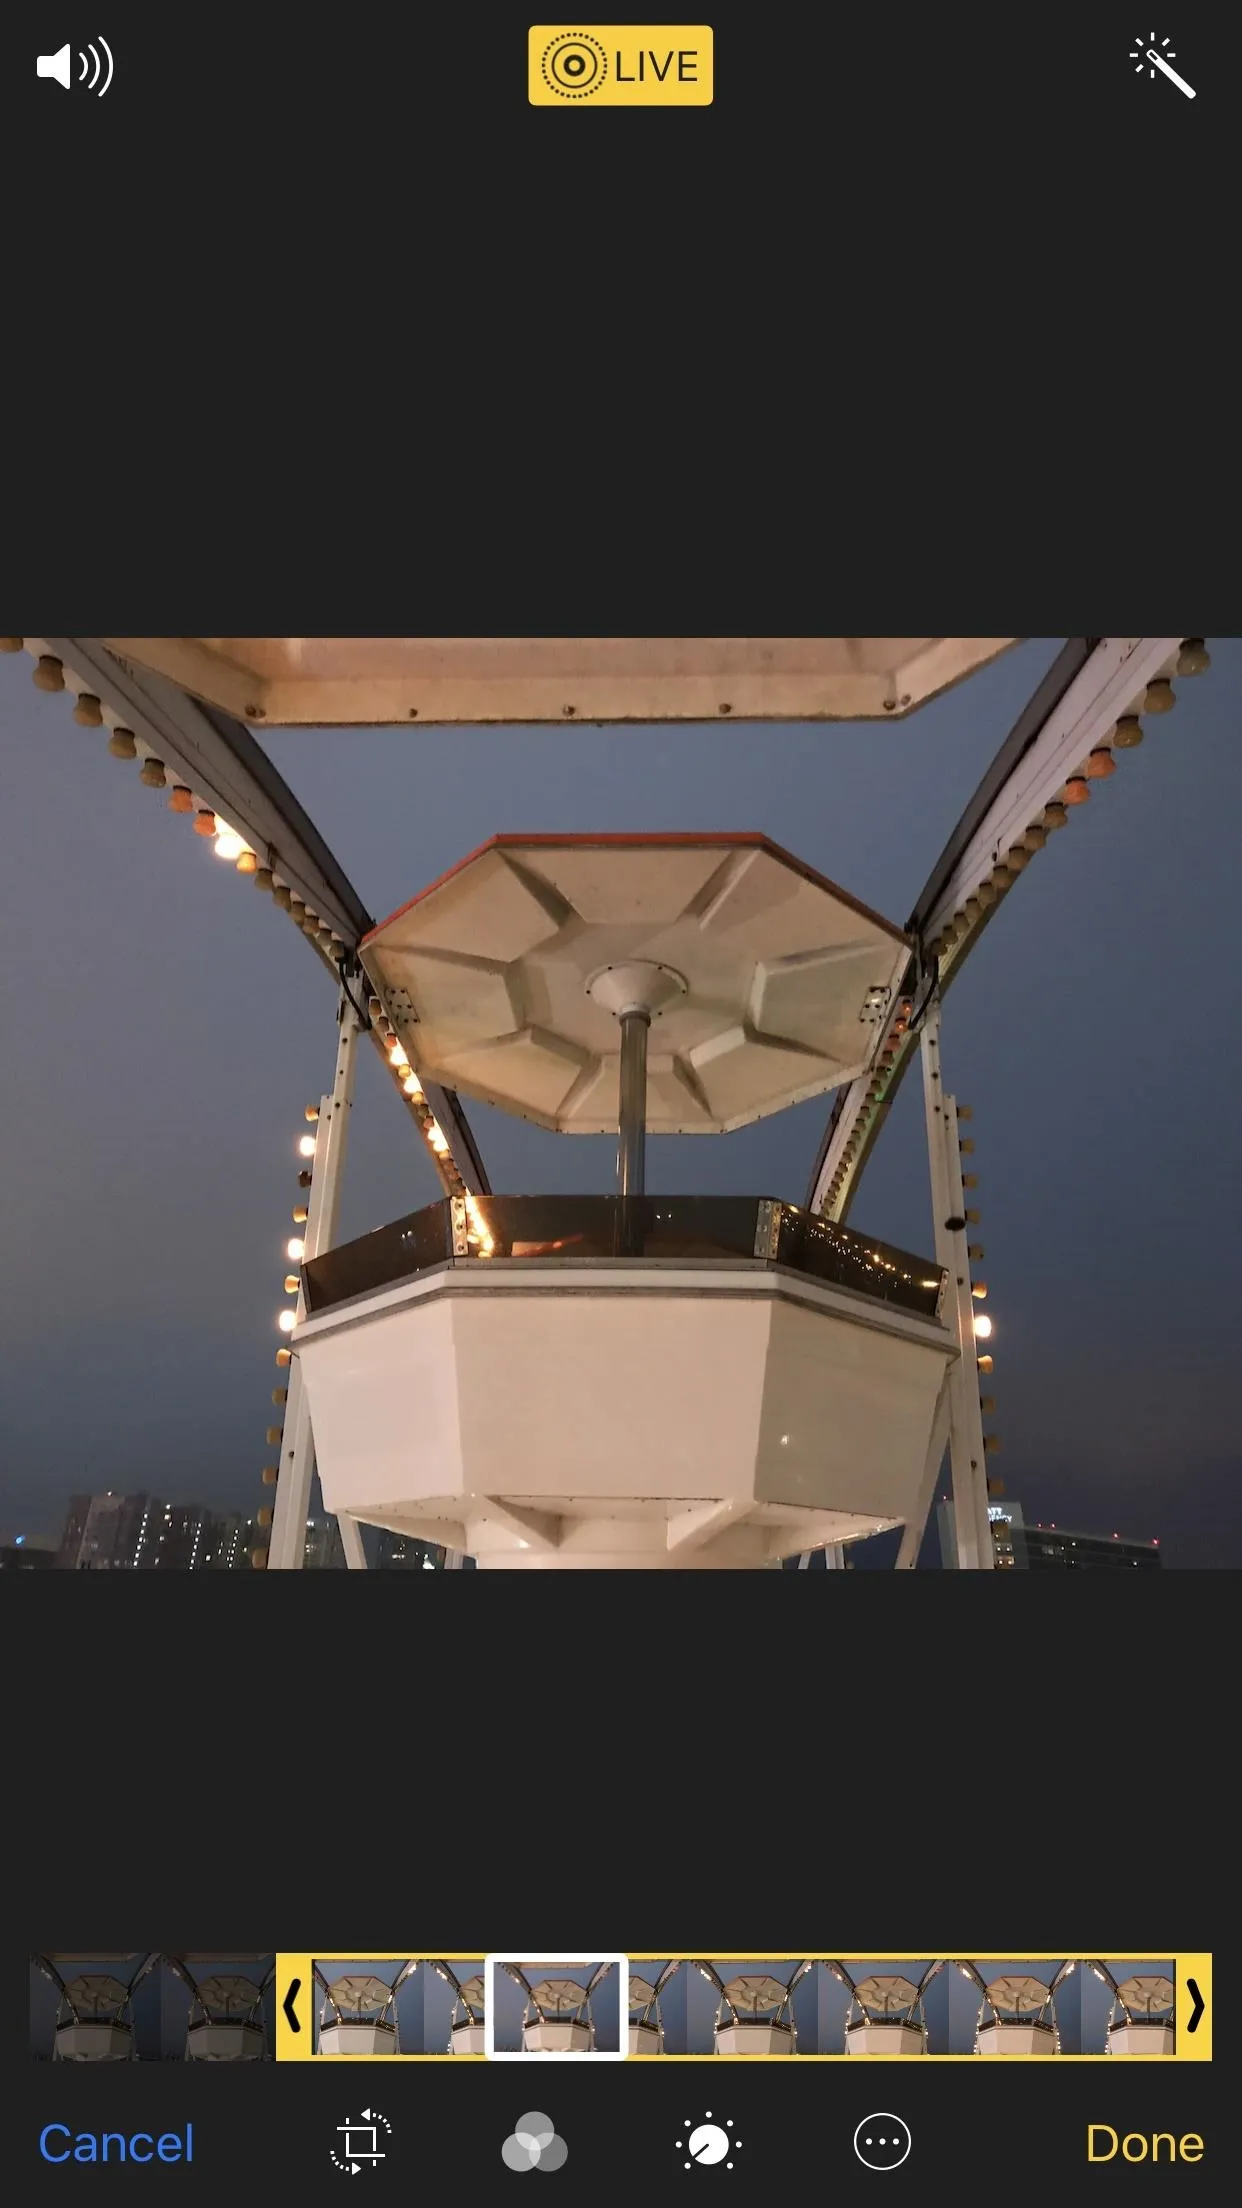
<point x="306" y="1147"/>
<point x="412" y="1085"/>
<point x="296" y="1249"/>
<point x="228" y="844"/>
<point x="397" y="1056"/>
<point x="983" y="1327"/>
<point x="287" y="1321"/>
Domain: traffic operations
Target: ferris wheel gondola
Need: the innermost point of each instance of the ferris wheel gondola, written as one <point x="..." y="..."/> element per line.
<point x="226" y="2022"/>
<point x="95" y="2008"/>
<point x="185" y="711"/>
<point x="754" y="2012"/>
<point x="558" y="2017"/>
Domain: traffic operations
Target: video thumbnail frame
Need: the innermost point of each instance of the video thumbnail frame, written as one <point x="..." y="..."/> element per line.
<point x="749" y="2007"/>
<point x="152" y="2007"/>
<point x="454" y="2007"/>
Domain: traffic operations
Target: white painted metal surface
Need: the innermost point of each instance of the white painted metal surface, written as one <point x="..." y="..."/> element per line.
<point x="354" y="2037"/>
<point x="430" y="681"/>
<point x="492" y="978"/>
<point x="966" y="1450"/>
<point x="763" y="1414"/>
<point x="1112" y="684"/>
<point x="558" y="2036"/>
<point x="755" y="2036"/>
<point x="224" y="2040"/>
<point x="93" y="2040"/>
<point x="287" y="1548"/>
<point x="1131" y="2038"/>
<point x="875" y="2036"/>
<point x="1016" y="2038"/>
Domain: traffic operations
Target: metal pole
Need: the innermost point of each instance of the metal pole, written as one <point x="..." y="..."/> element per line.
<point x="351" y="1542"/>
<point x="631" y="1147"/>
<point x="287" y="1548"/>
<point x="970" y="1519"/>
<point x="916" y="1523"/>
<point x="632" y="1132"/>
<point x="972" y="1407"/>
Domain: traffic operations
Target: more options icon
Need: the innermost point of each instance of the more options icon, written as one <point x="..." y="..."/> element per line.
<point x="882" y="2141"/>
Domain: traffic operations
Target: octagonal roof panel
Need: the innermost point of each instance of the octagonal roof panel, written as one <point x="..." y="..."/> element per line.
<point x="487" y="976"/>
<point x="884" y="1996"/>
<point x="559" y="1995"/>
<point x="359" y="1995"/>
<point x="1016" y="1996"/>
<point x="751" y="1995"/>
<point x="441" y="681"/>
<point x="1146" y="1996"/>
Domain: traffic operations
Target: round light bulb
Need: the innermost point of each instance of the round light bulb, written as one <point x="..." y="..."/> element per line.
<point x="306" y="1147"/>
<point x="983" y="1327"/>
<point x="287" y="1321"/>
<point x="296" y="1249"/>
<point x="228" y="845"/>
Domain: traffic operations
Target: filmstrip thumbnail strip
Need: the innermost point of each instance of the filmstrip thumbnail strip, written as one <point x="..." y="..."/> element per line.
<point x="550" y="2007"/>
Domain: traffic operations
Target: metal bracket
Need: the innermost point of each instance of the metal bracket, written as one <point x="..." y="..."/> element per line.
<point x="768" y="1229"/>
<point x="461" y="1246"/>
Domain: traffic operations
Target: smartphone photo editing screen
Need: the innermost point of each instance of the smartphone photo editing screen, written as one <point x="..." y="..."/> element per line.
<point x="598" y="1419"/>
<point x="619" y="1254"/>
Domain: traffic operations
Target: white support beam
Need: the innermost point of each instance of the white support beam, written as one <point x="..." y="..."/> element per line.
<point x="1029" y="773"/>
<point x="287" y="1549"/>
<point x="916" y="1524"/>
<point x="970" y="1495"/>
<point x="536" y="1529"/>
<point x="217" y="757"/>
<point x="694" y="1528"/>
<point x="351" y="1542"/>
<point x="1113" y="682"/>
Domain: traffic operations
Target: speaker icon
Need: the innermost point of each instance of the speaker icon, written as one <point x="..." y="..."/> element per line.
<point x="60" y="67"/>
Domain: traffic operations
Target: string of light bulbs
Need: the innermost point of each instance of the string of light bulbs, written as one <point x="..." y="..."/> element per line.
<point x="228" y="844"/>
<point x="947" y="948"/>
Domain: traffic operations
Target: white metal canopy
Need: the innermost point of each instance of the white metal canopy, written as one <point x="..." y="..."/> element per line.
<point x="374" y="681"/>
<point x="886" y="1996"/>
<point x="777" y="977"/>
<point x="753" y="1995"/>
<point x="1146" y="1996"/>
<point x="1016" y="1996"/>
<point x="359" y="1996"/>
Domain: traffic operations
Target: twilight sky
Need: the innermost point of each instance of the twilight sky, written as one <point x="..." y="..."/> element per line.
<point x="166" y="1024"/>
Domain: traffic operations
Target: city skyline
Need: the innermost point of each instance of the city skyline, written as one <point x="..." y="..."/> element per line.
<point x="135" y="1531"/>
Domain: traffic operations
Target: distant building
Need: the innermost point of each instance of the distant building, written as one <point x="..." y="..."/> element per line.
<point x="234" y="1538"/>
<point x="323" y="1550"/>
<point x="1022" y="1547"/>
<point x="27" y="1552"/>
<point x="1065" y="1551"/>
<point x="138" y="1533"/>
<point x="400" y="1552"/>
<point x="189" y="1538"/>
<point x="109" y="1533"/>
